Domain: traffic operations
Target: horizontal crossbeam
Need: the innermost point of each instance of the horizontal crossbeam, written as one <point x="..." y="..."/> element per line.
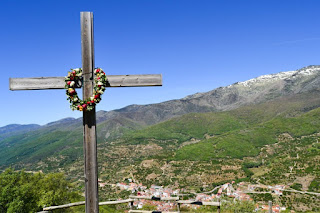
<point x="83" y="202"/>
<point x="59" y="82"/>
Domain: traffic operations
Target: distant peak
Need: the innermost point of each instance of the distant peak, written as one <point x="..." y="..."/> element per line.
<point x="264" y="78"/>
<point x="310" y="67"/>
<point x="64" y="120"/>
<point x="305" y="71"/>
<point x="309" y="70"/>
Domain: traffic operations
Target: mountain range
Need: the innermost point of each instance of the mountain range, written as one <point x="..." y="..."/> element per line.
<point x="253" y="91"/>
<point x="264" y="130"/>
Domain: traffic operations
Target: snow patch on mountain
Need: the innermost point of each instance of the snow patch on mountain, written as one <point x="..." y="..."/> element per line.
<point x="310" y="70"/>
<point x="266" y="78"/>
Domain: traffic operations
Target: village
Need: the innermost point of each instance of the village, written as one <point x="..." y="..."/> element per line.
<point x="223" y="193"/>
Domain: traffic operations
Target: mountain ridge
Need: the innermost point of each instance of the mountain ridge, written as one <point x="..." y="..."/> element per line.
<point x="252" y="91"/>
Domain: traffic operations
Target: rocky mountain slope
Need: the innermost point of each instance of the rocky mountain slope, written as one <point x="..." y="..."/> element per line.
<point x="258" y="90"/>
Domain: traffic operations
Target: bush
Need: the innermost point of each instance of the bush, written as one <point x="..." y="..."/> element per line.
<point x="315" y="185"/>
<point x="297" y="186"/>
<point x="148" y="206"/>
<point x="238" y="206"/>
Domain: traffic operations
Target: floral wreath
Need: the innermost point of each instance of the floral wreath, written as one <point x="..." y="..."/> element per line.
<point x="73" y="77"/>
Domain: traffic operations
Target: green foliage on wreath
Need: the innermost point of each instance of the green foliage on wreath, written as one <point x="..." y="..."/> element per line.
<point x="100" y="80"/>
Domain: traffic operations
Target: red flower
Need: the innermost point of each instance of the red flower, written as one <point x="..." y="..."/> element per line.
<point x="92" y="101"/>
<point x="69" y="82"/>
<point x="98" y="70"/>
<point x="96" y="96"/>
<point x="84" y="105"/>
<point x="88" y="102"/>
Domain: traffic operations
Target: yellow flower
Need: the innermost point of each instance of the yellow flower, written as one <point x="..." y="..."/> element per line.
<point x="80" y="108"/>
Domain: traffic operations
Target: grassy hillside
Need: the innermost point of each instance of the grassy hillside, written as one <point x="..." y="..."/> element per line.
<point x="247" y="142"/>
<point x="38" y="145"/>
<point x="237" y="133"/>
<point x="56" y="142"/>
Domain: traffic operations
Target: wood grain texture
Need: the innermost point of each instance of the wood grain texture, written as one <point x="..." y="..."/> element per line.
<point x="36" y="83"/>
<point x="64" y="206"/>
<point x="89" y="117"/>
<point x="41" y="83"/>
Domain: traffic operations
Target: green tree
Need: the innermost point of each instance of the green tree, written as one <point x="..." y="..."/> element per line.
<point x="28" y="192"/>
<point x="55" y="190"/>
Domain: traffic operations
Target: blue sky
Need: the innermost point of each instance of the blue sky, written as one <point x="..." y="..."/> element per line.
<point x="196" y="45"/>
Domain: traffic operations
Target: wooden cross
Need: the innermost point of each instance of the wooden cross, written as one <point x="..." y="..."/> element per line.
<point x="89" y="117"/>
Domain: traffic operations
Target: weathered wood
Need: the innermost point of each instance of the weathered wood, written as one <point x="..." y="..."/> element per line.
<point x="134" y="80"/>
<point x="89" y="117"/>
<point x="155" y="198"/>
<point x="64" y="206"/>
<point x="270" y="206"/>
<point x="113" y="202"/>
<point x="41" y="83"/>
<point x="36" y="83"/>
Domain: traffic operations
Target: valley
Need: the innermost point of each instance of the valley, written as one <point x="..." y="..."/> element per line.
<point x="264" y="132"/>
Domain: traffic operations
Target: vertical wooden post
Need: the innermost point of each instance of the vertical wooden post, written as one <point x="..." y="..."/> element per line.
<point x="131" y="205"/>
<point x="270" y="206"/>
<point x="89" y="118"/>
